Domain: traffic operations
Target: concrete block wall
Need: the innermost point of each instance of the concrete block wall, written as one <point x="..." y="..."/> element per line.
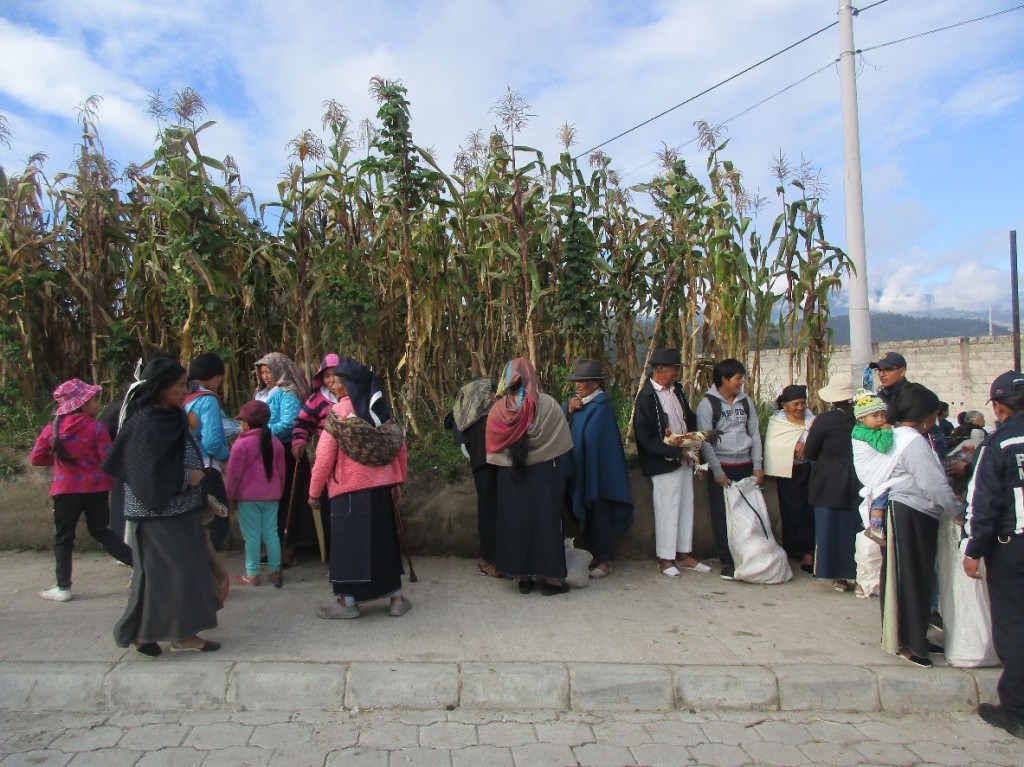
<point x="959" y="370"/>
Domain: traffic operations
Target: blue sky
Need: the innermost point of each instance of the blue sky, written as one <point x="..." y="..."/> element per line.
<point x="942" y="117"/>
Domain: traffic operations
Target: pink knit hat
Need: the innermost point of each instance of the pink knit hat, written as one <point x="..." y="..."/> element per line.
<point x="71" y="395"/>
<point x="330" y="362"/>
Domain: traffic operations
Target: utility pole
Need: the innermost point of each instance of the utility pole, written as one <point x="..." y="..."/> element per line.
<point x="1015" y="300"/>
<point x="857" y="285"/>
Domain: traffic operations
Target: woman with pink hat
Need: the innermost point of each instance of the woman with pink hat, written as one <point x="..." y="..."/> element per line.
<point x="75" y="444"/>
<point x="309" y="425"/>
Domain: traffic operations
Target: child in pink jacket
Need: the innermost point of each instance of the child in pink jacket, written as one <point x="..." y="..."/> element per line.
<point x="254" y="485"/>
<point x="75" y="444"/>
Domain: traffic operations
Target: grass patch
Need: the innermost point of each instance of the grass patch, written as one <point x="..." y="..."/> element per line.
<point x="21" y="422"/>
<point x="434" y="454"/>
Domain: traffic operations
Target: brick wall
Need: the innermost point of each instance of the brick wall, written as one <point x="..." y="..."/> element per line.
<point x="959" y="370"/>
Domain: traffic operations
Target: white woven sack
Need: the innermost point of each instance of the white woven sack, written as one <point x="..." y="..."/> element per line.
<point x="577" y="565"/>
<point x="868" y="555"/>
<point x="758" y="558"/>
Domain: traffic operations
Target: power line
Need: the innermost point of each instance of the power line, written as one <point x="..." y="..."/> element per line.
<point x="812" y="74"/>
<point x="940" y="29"/>
<point x="708" y="90"/>
<point x="748" y="109"/>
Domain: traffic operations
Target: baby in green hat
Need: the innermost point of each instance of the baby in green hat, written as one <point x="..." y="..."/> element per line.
<point x="873" y="428"/>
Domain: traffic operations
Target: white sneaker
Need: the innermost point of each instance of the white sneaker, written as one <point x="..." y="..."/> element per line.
<point x="56" y="594"/>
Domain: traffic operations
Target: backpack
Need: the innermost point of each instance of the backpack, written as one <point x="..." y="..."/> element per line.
<point x="716" y="410"/>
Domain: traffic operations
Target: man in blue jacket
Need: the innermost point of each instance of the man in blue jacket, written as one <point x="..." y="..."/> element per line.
<point x="596" y="466"/>
<point x="995" y="530"/>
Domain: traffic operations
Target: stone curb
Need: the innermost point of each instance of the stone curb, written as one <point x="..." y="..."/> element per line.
<point x="288" y="686"/>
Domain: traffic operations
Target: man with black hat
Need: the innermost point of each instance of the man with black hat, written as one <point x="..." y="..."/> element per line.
<point x="661" y="411"/>
<point x="995" y="531"/>
<point x="596" y="466"/>
<point x="892" y="380"/>
<point x="205" y="375"/>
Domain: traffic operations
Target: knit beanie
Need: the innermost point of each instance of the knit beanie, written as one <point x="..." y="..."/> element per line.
<point x="867" y="402"/>
<point x="205" y="366"/>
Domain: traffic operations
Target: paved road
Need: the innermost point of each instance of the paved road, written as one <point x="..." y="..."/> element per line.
<point x="493" y="739"/>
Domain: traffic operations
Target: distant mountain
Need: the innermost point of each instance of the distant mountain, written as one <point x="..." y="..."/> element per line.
<point x="886" y="326"/>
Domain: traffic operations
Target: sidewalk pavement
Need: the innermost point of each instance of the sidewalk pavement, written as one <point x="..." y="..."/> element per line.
<point x="635" y="641"/>
<point x="476" y="738"/>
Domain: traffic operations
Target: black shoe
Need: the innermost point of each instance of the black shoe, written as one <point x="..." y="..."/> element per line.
<point x="935" y="621"/>
<point x="550" y="589"/>
<point x="997" y="717"/>
<point x="809" y="569"/>
<point x="728" y="573"/>
<point x="934" y="649"/>
<point x="152" y="649"/>
<point x="917" y="660"/>
<point x="525" y="585"/>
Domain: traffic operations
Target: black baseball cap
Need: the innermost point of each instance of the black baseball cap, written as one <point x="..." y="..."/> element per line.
<point x="888" y="361"/>
<point x="1006" y="384"/>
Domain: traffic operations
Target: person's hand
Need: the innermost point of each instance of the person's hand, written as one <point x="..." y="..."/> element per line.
<point x="957" y="469"/>
<point x="971" y="567"/>
<point x="396" y="494"/>
<point x="722" y="480"/>
<point x="798" y="451"/>
<point x="314" y="503"/>
<point x="195" y="476"/>
<point x="575" y="403"/>
<point x="758" y="476"/>
<point x="297" y="451"/>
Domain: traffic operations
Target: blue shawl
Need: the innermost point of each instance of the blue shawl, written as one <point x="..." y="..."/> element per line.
<point x="596" y="466"/>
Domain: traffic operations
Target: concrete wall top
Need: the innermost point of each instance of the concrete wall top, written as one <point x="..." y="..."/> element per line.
<point x="959" y="370"/>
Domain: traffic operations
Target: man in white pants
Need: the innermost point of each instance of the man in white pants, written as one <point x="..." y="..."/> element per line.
<point x="661" y="410"/>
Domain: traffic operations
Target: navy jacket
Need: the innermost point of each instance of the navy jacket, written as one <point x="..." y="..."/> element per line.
<point x="995" y="495"/>
<point x="596" y="465"/>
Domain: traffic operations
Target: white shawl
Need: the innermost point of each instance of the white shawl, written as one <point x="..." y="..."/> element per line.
<point x="874" y="469"/>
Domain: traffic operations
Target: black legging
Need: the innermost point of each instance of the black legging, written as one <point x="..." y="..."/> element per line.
<point x="716" y="500"/>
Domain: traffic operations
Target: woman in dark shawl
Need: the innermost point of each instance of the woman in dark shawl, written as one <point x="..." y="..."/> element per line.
<point x="834" y="491"/>
<point x="361" y="460"/>
<point x="468" y="424"/>
<point x="161" y="465"/>
<point x="526" y="435"/>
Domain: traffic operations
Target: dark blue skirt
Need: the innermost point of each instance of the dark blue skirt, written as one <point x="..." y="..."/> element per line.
<point x="835" y="534"/>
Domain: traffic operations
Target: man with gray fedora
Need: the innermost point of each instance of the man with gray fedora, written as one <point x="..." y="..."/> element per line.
<point x="595" y="468"/>
<point x="661" y="411"/>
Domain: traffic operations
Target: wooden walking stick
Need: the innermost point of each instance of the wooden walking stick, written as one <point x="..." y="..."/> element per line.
<point x="397" y="503"/>
<point x="287" y="522"/>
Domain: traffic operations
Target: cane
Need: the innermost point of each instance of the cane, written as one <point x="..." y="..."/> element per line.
<point x="405" y="541"/>
<point x="287" y="522"/>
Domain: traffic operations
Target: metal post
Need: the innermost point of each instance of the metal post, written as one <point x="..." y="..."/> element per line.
<point x="857" y="285"/>
<point x="1014" y="300"/>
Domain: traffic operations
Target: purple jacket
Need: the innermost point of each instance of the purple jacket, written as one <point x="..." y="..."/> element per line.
<point x="247" y="478"/>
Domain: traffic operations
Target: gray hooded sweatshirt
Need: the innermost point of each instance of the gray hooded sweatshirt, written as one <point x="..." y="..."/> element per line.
<point x="740" y="441"/>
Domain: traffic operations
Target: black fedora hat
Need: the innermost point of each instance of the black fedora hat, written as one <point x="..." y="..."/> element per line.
<point x="586" y="370"/>
<point x="666" y="357"/>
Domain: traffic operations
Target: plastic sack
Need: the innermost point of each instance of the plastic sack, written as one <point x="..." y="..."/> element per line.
<point x="868" y="556"/>
<point x="964" y="604"/>
<point x="758" y="558"/>
<point x="577" y="565"/>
